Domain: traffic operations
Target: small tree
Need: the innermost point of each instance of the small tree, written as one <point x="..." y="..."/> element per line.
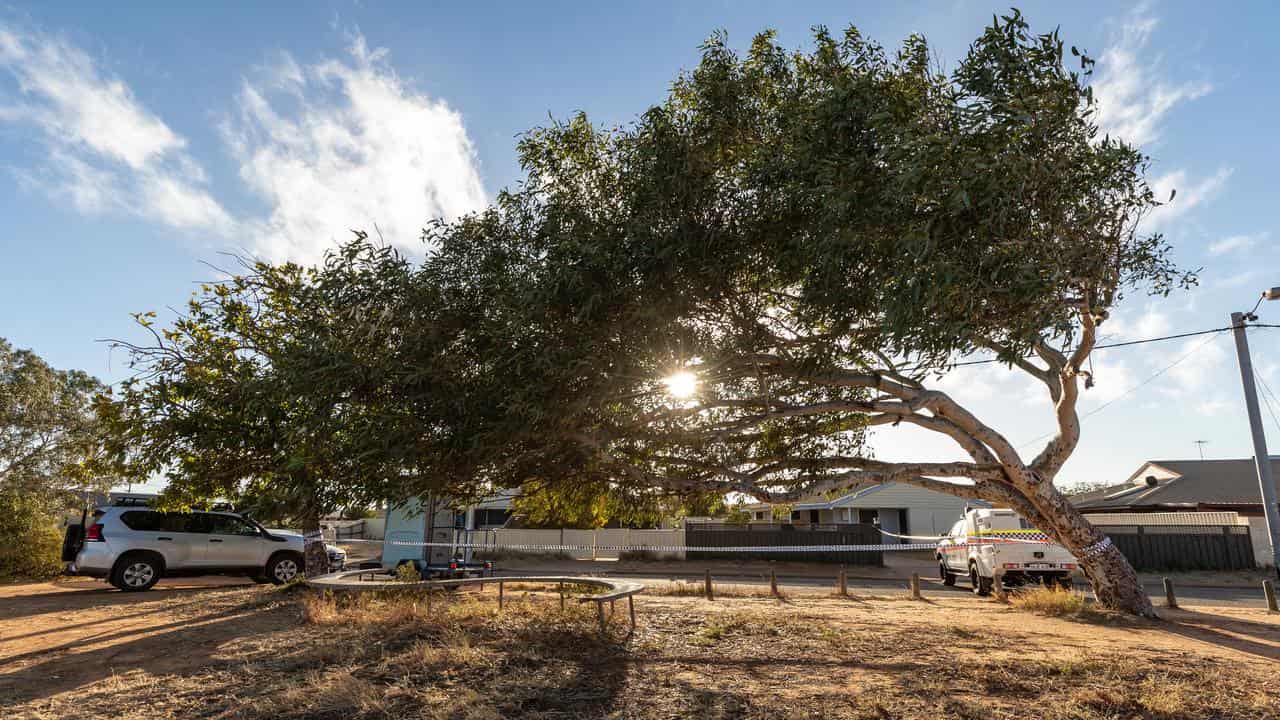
<point x="51" y="456"/>
<point x="269" y="390"/>
<point x="799" y="243"/>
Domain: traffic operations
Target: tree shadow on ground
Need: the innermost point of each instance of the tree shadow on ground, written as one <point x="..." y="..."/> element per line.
<point x="1259" y="639"/>
<point x="184" y="645"/>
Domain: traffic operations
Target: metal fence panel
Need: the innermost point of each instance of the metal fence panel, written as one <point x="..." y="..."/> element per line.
<point x="1184" y="547"/>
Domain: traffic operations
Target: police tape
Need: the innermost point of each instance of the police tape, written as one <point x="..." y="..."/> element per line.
<point x="525" y="547"/>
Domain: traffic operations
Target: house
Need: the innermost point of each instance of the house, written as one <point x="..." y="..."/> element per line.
<point x="1184" y="492"/>
<point x="1182" y="485"/>
<point x="897" y="508"/>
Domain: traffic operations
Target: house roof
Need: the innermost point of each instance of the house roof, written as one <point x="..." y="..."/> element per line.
<point x="1181" y="484"/>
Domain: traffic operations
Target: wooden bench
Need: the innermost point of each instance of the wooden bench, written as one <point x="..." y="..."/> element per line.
<point x="615" y="590"/>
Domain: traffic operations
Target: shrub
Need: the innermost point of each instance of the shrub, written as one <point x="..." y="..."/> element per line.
<point x="1050" y="601"/>
<point x="30" y="540"/>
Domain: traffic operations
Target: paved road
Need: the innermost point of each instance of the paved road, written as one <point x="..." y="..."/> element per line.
<point x="1205" y="596"/>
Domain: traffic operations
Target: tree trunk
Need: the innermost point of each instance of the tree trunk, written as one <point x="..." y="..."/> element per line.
<point x="1115" y="584"/>
<point x="315" y="558"/>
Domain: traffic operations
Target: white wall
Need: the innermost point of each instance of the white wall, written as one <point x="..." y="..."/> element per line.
<point x="928" y="512"/>
<point x="1261" y="543"/>
<point x="1169" y="518"/>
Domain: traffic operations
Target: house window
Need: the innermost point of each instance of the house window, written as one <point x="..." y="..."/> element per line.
<point x="814" y="517"/>
<point x="869" y="517"/>
<point x="759" y="514"/>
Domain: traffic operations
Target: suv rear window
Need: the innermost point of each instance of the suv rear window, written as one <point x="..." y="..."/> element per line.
<point x="152" y="521"/>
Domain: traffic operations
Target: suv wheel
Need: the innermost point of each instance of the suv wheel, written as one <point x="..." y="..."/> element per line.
<point x="137" y="572"/>
<point x="981" y="585"/>
<point x="284" y="567"/>
<point x="948" y="577"/>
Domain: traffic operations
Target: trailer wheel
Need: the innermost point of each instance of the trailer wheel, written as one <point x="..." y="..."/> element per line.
<point x="981" y="585"/>
<point x="948" y="577"/>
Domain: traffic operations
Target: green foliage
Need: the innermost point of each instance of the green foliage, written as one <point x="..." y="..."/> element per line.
<point x="781" y="220"/>
<point x="737" y="516"/>
<point x="50" y="441"/>
<point x="30" y="539"/>
<point x="408" y="573"/>
<point x="270" y="390"/>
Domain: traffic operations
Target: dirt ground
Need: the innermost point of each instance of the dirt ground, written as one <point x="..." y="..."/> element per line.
<point x="222" y="649"/>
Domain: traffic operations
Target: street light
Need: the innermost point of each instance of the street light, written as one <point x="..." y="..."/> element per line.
<point x="1260" y="457"/>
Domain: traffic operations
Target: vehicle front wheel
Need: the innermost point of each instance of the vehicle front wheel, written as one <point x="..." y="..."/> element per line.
<point x="948" y="577"/>
<point x="981" y="585"/>
<point x="284" y="567"/>
<point x="136" y="572"/>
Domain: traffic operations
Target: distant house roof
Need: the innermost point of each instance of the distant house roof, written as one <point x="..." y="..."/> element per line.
<point x="1161" y="484"/>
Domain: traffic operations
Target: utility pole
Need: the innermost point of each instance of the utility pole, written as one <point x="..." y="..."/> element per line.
<point x="1260" y="457"/>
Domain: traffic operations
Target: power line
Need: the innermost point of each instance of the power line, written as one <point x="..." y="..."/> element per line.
<point x="1126" y="343"/>
<point x="1135" y="388"/>
<point x="1270" y="410"/>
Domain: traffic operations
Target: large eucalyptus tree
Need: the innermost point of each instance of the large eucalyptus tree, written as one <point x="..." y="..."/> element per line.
<point x="813" y="237"/>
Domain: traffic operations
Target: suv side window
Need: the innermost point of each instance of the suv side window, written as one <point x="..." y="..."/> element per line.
<point x="153" y="521"/>
<point x="229" y="525"/>
<point x="957" y="530"/>
<point x="143" y="520"/>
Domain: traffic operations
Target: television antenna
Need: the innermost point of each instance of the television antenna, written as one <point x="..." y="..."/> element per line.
<point x="1200" y="446"/>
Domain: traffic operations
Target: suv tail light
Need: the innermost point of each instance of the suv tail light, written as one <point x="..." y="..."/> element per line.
<point x="94" y="533"/>
<point x="453" y="566"/>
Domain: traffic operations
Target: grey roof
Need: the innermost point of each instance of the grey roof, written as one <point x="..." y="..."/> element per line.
<point x="1198" y="482"/>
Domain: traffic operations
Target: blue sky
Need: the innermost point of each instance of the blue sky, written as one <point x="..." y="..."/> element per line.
<point x="138" y="143"/>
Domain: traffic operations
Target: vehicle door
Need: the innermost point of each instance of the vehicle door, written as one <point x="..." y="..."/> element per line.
<point x="232" y="542"/>
<point x="169" y="534"/>
<point x="954" y="552"/>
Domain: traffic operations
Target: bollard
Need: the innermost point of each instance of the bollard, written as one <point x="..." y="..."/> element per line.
<point x="707" y="587"/>
<point x="561" y="597"/>
<point x="842" y="583"/>
<point x="499" y="594"/>
<point x="773" y="582"/>
<point x="997" y="586"/>
<point x="1269" y="589"/>
<point x="915" y="587"/>
<point x="1169" y="599"/>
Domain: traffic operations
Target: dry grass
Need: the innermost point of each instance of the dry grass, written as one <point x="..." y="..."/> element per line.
<point x="1053" y="602"/>
<point x="408" y="654"/>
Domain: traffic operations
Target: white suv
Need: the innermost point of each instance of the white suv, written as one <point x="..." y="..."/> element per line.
<point x="133" y="547"/>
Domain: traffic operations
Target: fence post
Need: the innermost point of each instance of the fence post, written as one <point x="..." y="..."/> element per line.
<point x="915" y="587"/>
<point x="844" y="582"/>
<point x="773" y="582"/>
<point x="997" y="585"/>
<point x="1169" y="599"/>
<point x="1269" y="590"/>
<point x="707" y="586"/>
<point x="499" y="594"/>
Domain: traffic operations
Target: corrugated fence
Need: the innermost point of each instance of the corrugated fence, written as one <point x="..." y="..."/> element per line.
<point x="1184" y="547"/>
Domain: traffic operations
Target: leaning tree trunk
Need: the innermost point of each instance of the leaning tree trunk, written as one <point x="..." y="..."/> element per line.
<point x="1115" y="584"/>
<point x="315" y="558"/>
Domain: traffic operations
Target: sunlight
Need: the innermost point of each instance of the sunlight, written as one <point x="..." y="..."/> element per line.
<point x="682" y="384"/>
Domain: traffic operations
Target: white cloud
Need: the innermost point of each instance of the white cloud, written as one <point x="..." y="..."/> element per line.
<point x="1132" y="96"/>
<point x="349" y="145"/>
<point x="1189" y="194"/>
<point x="1233" y="243"/>
<point x="1202" y="370"/>
<point x="105" y="151"/>
<point x="329" y="147"/>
